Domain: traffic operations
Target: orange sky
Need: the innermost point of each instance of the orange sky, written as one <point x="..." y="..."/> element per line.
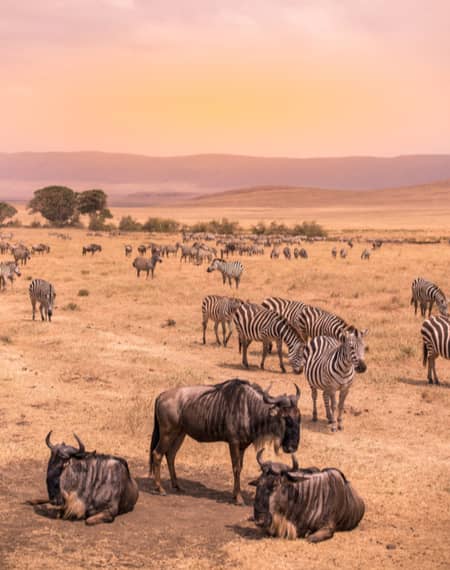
<point x="261" y="77"/>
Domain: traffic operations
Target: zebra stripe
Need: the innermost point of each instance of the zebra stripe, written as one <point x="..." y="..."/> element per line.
<point x="229" y="269"/>
<point x="330" y="366"/>
<point x="220" y="310"/>
<point x="289" y="310"/>
<point x="7" y="271"/>
<point x="426" y="293"/>
<point x="255" y="323"/>
<point x="42" y="292"/>
<point x="313" y="321"/>
<point x="436" y="342"/>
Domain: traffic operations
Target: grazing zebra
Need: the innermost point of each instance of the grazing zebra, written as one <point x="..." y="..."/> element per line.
<point x="436" y="342"/>
<point x="287" y="252"/>
<point x="365" y="254"/>
<point x="220" y="310"/>
<point x="334" y="252"/>
<point x="145" y="264"/>
<point x="229" y="269"/>
<point x="42" y="292"/>
<point x="254" y="322"/>
<point x="330" y="366"/>
<point x="128" y="250"/>
<point x="343" y="253"/>
<point x="289" y="310"/>
<point x="313" y="321"/>
<point x="426" y="293"/>
<point x="7" y="271"/>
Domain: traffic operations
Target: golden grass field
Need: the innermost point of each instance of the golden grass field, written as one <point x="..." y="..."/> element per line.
<point x="96" y="371"/>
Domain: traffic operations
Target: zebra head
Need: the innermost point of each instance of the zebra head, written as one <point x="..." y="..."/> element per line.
<point x="354" y="348"/>
<point x="295" y="356"/>
<point x="214" y="265"/>
<point x="441" y="302"/>
<point x="16" y="270"/>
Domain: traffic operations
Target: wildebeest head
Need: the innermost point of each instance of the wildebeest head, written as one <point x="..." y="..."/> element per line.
<point x="285" y="412"/>
<point x="156" y="258"/>
<point x="354" y="345"/>
<point x="269" y="480"/>
<point x="60" y="453"/>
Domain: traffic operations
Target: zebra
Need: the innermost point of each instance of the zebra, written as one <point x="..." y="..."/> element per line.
<point x="426" y="293"/>
<point x="313" y="321"/>
<point x="365" y="254"/>
<point x="42" y="292"/>
<point x="7" y="271"/>
<point x="289" y="310"/>
<point x="128" y="250"/>
<point x="330" y="366"/>
<point x="254" y="322"/>
<point x="220" y="310"/>
<point x="343" y="253"/>
<point x="334" y="252"/>
<point x="435" y="333"/>
<point x="145" y="264"/>
<point x="275" y="253"/>
<point x="229" y="269"/>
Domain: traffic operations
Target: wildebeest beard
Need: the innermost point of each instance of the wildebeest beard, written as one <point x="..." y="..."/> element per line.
<point x="53" y="481"/>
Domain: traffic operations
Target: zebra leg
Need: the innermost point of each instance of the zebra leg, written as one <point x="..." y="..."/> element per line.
<point x="204" y="324"/>
<point x="326" y="401"/>
<point x="33" y="305"/>
<point x="41" y="311"/>
<point x="429" y="309"/>
<point x="170" y="456"/>
<point x="216" y="326"/>
<point x="224" y="278"/>
<point x="229" y="281"/>
<point x="280" y="354"/>
<point x="314" y="399"/>
<point x="342" y="397"/>
<point x="245" y="344"/>
<point x="434" y="373"/>
<point x="224" y="333"/>
<point x="237" y="282"/>
<point x="333" y="411"/>
<point x="264" y="354"/>
<point x="230" y="331"/>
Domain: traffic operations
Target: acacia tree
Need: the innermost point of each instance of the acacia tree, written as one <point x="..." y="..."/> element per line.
<point x="93" y="203"/>
<point x="57" y="204"/>
<point x="6" y="211"/>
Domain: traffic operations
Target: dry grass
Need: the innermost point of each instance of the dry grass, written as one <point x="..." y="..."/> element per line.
<point x="98" y="370"/>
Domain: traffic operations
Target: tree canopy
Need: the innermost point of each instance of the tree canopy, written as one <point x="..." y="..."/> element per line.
<point x="57" y="204"/>
<point x="6" y="211"/>
<point x="92" y="201"/>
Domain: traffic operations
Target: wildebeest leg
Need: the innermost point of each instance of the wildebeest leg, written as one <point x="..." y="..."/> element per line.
<point x="236" y="461"/>
<point x="163" y="446"/>
<point x="216" y="326"/>
<point x="314" y="399"/>
<point x="333" y="411"/>
<point x="148" y="271"/>
<point x="170" y="456"/>
<point x="204" y="324"/>
<point x="138" y="271"/>
<point x="280" y="354"/>
<point x="103" y="517"/>
<point x="322" y="534"/>
<point x="340" y="420"/>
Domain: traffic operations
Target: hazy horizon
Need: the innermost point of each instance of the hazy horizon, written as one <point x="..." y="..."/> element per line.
<point x="266" y="78"/>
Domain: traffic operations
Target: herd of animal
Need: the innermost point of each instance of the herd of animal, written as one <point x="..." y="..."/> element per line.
<point x="290" y="502"/>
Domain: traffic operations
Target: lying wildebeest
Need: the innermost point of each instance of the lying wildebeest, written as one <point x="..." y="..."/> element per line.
<point x="234" y="411"/>
<point x="296" y="503"/>
<point x="87" y="485"/>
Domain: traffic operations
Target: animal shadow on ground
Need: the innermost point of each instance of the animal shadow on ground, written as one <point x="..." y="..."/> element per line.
<point x="424" y="383"/>
<point x="191" y="489"/>
<point x="249" y="533"/>
<point x="47" y="511"/>
<point x="252" y="367"/>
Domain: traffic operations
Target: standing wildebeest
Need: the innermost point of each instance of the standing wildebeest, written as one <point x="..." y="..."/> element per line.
<point x="303" y="253"/>
<point x="295" y="503"/>
<point x="334" y="252"/>
<point x="22" y="254"/>
<point x="142" y="249"/>
<point x="145" y="264"/>
<point x="287" y="252"/>
<point x="235" y="411"/>
<point x="92" y="248"/>
<point x="365" y="254"/>
<point x="87" y="485"/>
<point x="343" y="253"/>
<point x="128" y="250"/>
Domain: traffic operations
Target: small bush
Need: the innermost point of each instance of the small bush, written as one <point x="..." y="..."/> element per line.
<point x="129" y="224"/>
<point x="71" y="307"/>
<point x="35" y="224"/>
<point x="161" y="225"/>
<point x="223" y="226"/>
<point x="83" y="293"/>
<point x="85" y="272"/>
<point x="5" y="339"/>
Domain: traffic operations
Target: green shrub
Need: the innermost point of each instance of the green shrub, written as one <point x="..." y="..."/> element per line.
<point x="83" y="293"/>
<point x="161" y="225"/>
<point x="129" y="224"/>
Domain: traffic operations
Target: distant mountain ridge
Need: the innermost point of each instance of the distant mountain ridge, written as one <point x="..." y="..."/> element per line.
<point x="125" y="174"/>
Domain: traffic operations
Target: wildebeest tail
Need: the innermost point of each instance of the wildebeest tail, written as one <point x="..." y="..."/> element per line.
<point x="155" y="438"/>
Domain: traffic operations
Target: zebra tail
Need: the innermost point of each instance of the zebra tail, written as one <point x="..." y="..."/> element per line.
<point x="155" y="439"/>
<point x="425" y="354"/>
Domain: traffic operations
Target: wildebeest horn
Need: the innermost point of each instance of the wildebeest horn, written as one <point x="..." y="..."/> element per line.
<point x="267" y="398"/>
<point x="258" y="457"/>
<point x="47" y="440"/>
<point x="294" y="462"/>
<point x="80" y="444"/>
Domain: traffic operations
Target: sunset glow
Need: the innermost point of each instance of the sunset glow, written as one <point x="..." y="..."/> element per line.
<point x="268" y="77"/>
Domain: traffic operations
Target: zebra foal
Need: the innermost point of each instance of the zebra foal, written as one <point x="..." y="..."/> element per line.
<point x="425" y="293"/>
<point x="229" y="269"/>
<point x="436" y="342"/>
<point x="255" y="323"/>
<point x="220" y="310"/>
<point x="42" y="292"/>
<point x="330" y="366"/>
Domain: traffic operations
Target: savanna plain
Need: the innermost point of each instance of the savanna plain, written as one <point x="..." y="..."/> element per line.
<point x="97" y="368"/>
